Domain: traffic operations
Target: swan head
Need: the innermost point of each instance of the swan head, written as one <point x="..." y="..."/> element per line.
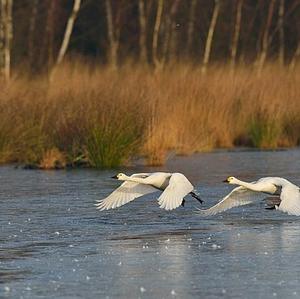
<point x="119" y="176"/>
<point x="230" y="180"/>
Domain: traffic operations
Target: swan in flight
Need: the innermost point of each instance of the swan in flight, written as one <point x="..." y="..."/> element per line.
<point x="175" y="187"/>
<point x="246" y="193"/>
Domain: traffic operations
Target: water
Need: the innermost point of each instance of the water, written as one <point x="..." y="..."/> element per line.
<point x="55" y="244"/>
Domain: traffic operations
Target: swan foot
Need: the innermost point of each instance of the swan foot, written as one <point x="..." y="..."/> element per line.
<point x="193" y="194"/>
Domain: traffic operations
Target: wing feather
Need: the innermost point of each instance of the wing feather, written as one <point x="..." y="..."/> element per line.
<point x="126" y="193"/>
<point x="290" y="200"/>
<point x="179" y="186"/>
<point x="239" y="196"/>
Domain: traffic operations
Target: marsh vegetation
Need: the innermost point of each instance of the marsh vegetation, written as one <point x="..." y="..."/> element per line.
<point x="103" y="118"/>
<point x="97" y="83"/>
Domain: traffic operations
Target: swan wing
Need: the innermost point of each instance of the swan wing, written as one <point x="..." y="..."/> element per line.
<point x="290" y="200"/>
<point x="126" y="193"/>
<point x="179" y="186"/>
<point x="239" y="196"/>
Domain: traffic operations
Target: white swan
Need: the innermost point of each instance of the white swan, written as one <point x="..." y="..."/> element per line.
<point x="247" y="193"/>
<point x="175" y="187"/>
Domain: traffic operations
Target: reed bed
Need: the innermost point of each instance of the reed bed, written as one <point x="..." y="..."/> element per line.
<point x="103" y="118"/>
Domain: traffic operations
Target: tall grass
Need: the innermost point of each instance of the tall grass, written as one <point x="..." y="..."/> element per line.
<point x="105" y="117"/>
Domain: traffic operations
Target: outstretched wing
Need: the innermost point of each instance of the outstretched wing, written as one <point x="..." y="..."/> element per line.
<point x="290" y="200"/>
<point x="126" y="193"/>
<point x="239" y="196"/>
<point x="179" y="186"/>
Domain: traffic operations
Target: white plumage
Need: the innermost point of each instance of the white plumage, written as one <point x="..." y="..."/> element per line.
<point x="247" y="193"/>
<point x="175" y="187"/>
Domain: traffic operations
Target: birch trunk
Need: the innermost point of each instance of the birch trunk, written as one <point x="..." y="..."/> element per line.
<point x="236" y="35"/>
<point x="265" y="39"/>
<point x="210" y="36"/>
<point x="281" y="32"/>
<point x="68" y="32"/>
<point x="191" y="25"/>
<point x="156" y="33"/>
<point x="143" y="32"/>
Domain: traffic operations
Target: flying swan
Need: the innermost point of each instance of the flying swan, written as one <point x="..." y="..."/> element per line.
<point x="175" y="187"/>
<point x="246" y="193"/>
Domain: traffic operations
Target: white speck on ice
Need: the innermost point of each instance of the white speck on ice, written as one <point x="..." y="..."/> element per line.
<point x="87" y="277"/>
<point x="57" y="233"/>
<point x="223" y="291"/>
<point x="120" y="263"/>
<point x="173" y="293"/>
<point x="6" y="289"/>
<point x="142" y="289"/>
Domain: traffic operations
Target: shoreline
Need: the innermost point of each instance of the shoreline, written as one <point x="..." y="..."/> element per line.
<point x="140" y="161"/>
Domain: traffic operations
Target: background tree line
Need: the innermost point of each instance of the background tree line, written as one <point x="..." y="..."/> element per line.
<point x="35" y="35"/>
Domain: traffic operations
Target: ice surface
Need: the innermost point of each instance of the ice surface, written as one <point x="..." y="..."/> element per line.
<point x="55" y="244"/>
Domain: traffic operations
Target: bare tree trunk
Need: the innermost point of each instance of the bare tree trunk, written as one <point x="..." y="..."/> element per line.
<point x="6" y="37"/>
<point x="68" y="32"/>
<point x="236" y="35"/>
<point x="143" y="31"/>
<point x="281" y="32"/>
<point x="31" y="33"/>
<point x="172" y="35"/>
<point x="156" y="33"/>
<point x="113" y="36"/>
<point x="265" y="39"/>
<point x="2" y="35"/>
<point x="46" y="49"/>
<point x="296" y="57"/>
<point x="191" y="25"/>
<point x="210" y="36"/>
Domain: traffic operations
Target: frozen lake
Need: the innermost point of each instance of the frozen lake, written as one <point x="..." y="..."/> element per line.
<point x="55" y="244"/>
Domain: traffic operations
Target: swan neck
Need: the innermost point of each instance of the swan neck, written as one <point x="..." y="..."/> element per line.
<point x="245" y="184"/>
<point x="133" y="179"/>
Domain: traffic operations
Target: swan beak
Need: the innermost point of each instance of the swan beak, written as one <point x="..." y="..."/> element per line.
<point x="226" y="181"/>
<point x="114" y="177"/>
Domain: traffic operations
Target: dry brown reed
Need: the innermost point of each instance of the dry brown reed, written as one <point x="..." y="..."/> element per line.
<point x="107" y="117"/>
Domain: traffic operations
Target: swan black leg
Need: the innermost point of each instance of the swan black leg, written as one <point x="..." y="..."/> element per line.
<point x="193" y="194"/>
<point x="270" y="208"/>
<point x="183" y="202"/>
